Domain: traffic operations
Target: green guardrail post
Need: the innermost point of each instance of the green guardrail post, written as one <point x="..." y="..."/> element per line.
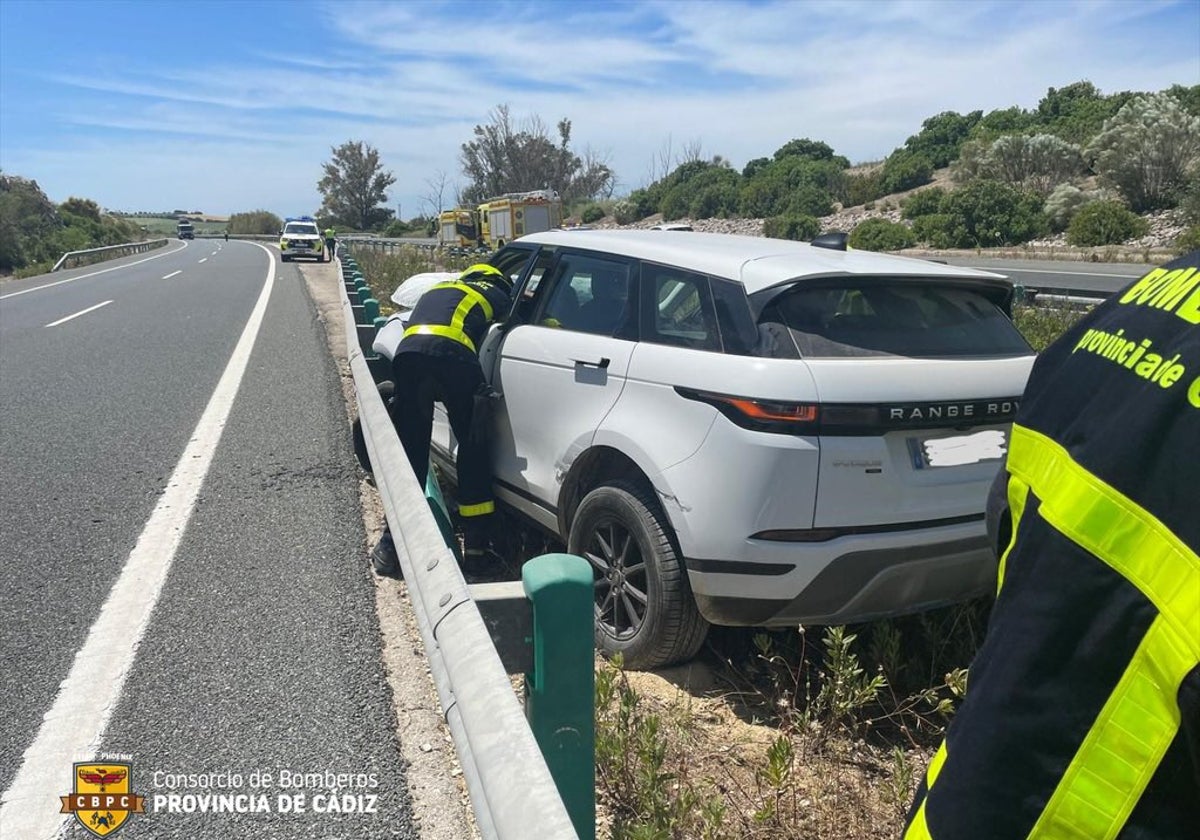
<point x="370" y="309"/>
<point x="560" y="690"/>
<point x="379" y="323"/>
<point x="437" y="504"/>
<point x="1018" y="293"/>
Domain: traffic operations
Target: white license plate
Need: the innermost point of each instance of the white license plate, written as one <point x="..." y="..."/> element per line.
<point x="957" y="450"/>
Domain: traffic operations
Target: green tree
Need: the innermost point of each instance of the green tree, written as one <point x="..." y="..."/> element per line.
<point x="507" y="158"/>
<point x="1077" y="112"/>
<point x="941" y="135"/>
<point x="1146" y="150"/>
<point x="1105" y="223"/>
<point x="985" y="214"/>
<point x="809" y="150"/>
<point x="1189" y="97"/>
<point x="354" y="185"/>
<point x="1014" y="120"/>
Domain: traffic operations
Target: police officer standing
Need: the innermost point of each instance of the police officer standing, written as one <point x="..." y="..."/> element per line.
<point x="330" y="243"/>
<point x="437" y="361"/>
<point x="1082" y="719"/>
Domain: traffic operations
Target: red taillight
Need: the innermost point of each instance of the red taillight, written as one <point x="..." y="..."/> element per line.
<point x="760" y="415"/>
<point x="760" y="410"/>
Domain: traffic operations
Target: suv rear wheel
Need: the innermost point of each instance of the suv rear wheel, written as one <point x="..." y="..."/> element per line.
<point x="644" y="605"/>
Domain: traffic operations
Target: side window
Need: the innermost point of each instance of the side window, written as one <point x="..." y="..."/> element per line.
<point x="679" y="309"/>
<point x="589" y="294"/>
<point x="512" y="261"/>
<point x="738" y="331"/>
<point x="526" y="301"/>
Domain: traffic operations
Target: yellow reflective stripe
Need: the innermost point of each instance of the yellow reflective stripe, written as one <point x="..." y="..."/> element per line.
<point x="1018" y="492"/>
<point x="1112" y="527"/>
<point x="918" y="829"/>
<point x="1122" y="750"/>
<point x="472" y="295"/>
<point x="445" y="332"/>
<point x="480" y="509"/>
<point x="1125" y="744"/>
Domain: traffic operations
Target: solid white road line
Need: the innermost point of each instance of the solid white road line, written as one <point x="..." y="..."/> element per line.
<point x="204" y="260"/>
<point x="93" y="274"/>
<point x="172" y="274"/>
<point x="995" y="270"/>
<point x="73" y="728"/>
<point x="77" y="314"/>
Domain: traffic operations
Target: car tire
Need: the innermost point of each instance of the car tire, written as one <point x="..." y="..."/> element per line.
<point x="612" y="521"/>
<point x="386" y="389"/>
<point x="284" y="258"/>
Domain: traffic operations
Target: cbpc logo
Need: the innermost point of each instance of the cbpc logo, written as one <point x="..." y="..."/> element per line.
<point x="103" y="797"/>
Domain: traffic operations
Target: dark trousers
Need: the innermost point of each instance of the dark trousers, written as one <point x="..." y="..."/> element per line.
<point x="420" y="381"/>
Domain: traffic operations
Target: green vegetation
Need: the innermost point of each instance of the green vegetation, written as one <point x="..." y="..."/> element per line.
<point x="1188" y="241"/>
<point x="261" y="222"/>
<point x="1105" y="223"/>
<point x="881" y="235"/>
<point x="592" y="213"/>
<point x="983" y="214"/>
<point x="34" y="233"/>
<point x="791" y="227"/>
<point x="354" y="184"/>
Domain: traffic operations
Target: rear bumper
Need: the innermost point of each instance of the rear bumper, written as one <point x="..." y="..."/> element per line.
<point x="857" y="579"/>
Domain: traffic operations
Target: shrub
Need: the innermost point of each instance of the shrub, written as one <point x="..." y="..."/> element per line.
<point x="859" y="189"/>
<point x="791" y="227"/>
<point x="1146" y="150"/>
<point x="1105" y="223"/>
<point x="624" y="212"/>
<point x="592" y="213"/>
<point x="881" y="235"/>
<point x="1188" y="241"/>
<point x="922" y="203"/>
<point x="1064" y="203"/>
<point x="985" y="214"/>
<point x="933" y="230"/>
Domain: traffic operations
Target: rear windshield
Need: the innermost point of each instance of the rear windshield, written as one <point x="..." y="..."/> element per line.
<point x="881" y="318"/>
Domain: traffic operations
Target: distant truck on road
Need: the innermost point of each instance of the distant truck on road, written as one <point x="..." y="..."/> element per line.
<point x="185" y="230"/>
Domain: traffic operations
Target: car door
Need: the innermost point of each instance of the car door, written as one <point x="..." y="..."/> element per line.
<point x="561" y="364"/>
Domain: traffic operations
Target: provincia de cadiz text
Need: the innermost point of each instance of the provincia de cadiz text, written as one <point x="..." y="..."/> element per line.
<point x="274" y="790"/>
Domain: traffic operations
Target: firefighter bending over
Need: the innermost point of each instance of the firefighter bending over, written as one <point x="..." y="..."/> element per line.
<point x="437" y="361"/>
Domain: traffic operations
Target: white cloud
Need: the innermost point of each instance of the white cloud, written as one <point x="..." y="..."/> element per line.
<point x="412" y="79"/>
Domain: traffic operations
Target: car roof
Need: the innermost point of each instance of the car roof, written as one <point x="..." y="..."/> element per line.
<point x="757" y="261"/>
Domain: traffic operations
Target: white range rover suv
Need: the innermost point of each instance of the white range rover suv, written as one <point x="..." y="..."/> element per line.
<point x="750" y="431"/>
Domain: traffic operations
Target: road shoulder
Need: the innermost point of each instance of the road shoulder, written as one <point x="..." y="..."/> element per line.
<point x="441" y="807"/>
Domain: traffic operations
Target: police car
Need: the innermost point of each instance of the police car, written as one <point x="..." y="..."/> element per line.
<point x="750" y="431"/>
<point x="301" y="238"/>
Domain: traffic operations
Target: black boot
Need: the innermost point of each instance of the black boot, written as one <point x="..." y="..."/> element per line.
<point x="384" y="559"/>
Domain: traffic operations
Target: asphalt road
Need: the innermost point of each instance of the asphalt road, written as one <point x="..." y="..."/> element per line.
<point x="1101" y="279"/>
<point x="261" y="650"/>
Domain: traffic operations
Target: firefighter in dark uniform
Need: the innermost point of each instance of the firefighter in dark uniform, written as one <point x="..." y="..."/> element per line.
<point x="1083" y="715"/>
<point x="437" y="361"/>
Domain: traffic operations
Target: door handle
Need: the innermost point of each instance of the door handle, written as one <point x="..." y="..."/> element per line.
<point x="602" y="364"/>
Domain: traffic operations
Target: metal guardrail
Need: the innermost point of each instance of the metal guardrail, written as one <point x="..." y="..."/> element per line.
<point x="382" y="245"/>
<point x="512" y="791"/>
<point x="116" y="251"/>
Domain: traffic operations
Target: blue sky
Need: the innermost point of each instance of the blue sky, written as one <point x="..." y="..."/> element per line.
<point x="223" y="106"/>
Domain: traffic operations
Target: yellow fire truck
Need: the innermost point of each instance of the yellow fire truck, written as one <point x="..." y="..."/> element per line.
<point x="500" y="220"/>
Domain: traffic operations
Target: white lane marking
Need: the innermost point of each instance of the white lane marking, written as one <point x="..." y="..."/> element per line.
<point x="1052" y="271"/>
<point x="172" y="274"/>
<point x="77" y="314"/>
<point x="93" y="274"/>
<point x="204" y="260"/>
<point x="73" y="728"/>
